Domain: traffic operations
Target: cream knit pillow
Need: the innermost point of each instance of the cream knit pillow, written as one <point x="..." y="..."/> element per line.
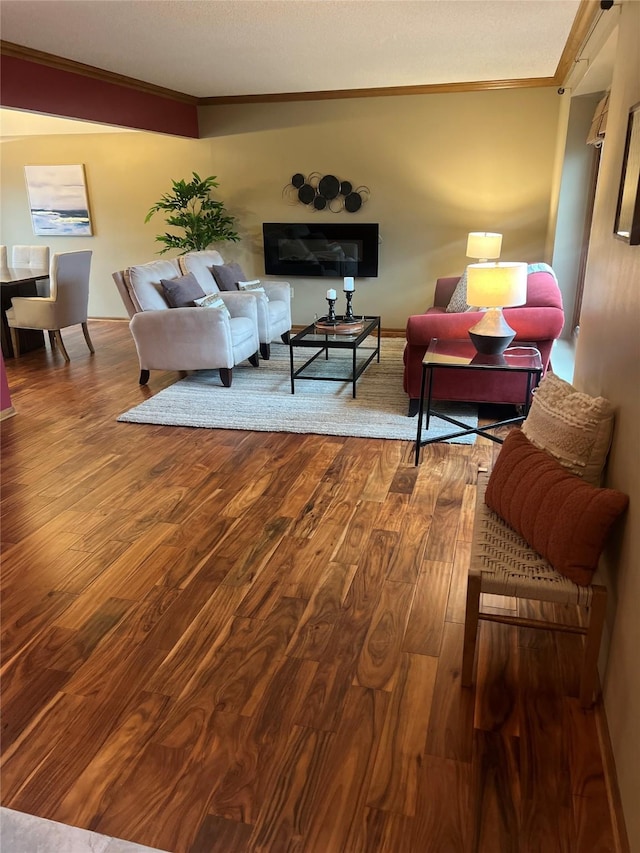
<point x="573" y="427"/>
<point x="458" y="302"/>
<point x="213" y="300"/>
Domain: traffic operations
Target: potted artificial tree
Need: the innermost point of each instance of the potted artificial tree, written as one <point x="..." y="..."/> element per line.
<point x="203" y="220"/>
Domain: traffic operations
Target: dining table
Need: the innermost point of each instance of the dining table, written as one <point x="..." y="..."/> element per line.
<point x="19" y="281"/>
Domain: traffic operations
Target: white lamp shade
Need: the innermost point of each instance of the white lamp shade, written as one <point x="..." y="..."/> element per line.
<point x="484" y="244"/>
<point x="497" y="285"/>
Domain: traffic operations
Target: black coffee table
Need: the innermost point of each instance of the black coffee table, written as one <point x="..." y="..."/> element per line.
<point x="324" y="341"/>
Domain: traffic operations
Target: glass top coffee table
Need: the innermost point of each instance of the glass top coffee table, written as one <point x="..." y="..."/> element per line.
<point x="324" y="341"/>
<point x="462" y="355"/>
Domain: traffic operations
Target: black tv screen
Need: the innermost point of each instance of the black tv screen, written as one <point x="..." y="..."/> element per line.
<point x="332" y="250"/>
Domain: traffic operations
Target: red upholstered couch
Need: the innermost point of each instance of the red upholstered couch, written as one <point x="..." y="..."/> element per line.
<point x="538" y="322"/>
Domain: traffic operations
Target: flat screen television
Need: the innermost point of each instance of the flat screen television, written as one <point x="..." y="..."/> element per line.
<point x="332" y="250"/>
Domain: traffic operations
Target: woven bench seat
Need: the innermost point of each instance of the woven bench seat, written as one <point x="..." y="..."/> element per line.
<point x="503" y="564"/>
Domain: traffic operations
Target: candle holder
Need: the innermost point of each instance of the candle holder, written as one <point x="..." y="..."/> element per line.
<point x="348" y="316"/>
<point x="343" y="324"/>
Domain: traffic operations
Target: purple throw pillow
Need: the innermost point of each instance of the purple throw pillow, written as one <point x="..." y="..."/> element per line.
<point x="181" y="292"/>
<point x="227" y="276"/>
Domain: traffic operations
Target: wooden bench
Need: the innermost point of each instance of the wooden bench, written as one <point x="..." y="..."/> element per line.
<point x="503" y="564"/>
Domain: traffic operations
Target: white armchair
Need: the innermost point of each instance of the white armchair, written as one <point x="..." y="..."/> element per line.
<point x="188" y="338"/>
<point x="274" y="305"/>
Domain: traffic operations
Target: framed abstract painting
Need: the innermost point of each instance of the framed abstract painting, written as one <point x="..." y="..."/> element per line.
<point x="58" y="201"/>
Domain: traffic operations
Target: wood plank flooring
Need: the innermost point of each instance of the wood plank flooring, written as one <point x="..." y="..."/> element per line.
<point x="231" y="642"/>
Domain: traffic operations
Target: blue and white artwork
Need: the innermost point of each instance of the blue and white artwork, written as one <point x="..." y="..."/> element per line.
<point x="58" y="201"/>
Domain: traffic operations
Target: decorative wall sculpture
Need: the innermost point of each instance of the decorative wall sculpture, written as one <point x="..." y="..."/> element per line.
<point x="325" y="193"/>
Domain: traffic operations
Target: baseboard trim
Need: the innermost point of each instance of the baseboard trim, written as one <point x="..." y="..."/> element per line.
<point x="9" y="412"/>
<point x="621" y="839"/>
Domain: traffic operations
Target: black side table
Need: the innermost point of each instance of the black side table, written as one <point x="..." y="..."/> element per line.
<point x="462" y="355"/>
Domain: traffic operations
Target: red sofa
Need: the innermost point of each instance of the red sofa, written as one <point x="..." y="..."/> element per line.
<point x="538" y="322"/>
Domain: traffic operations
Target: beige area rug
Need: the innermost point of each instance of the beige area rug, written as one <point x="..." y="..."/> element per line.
<point x="261" y="399"/>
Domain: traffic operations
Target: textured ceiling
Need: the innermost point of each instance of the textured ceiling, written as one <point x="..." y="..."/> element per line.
<point x="214" y="48"/>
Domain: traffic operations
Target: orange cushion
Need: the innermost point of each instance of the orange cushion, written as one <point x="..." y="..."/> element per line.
<point x="564" y="519"/>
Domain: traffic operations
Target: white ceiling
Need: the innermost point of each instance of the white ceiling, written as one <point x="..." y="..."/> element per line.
<point x="212" y="48"/>
<point x="218" y="48"/>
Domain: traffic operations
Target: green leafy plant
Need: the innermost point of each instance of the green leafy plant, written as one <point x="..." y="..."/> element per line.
<point x="202" y="219"/>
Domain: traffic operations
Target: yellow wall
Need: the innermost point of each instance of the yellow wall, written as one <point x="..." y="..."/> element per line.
<point x="437" y="167"/>
<point x="125" y="174"/>
<point x="608" y="363"/>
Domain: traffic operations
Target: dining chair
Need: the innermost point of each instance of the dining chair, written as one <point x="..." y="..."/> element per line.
<point x="67" y="304"/>
<point x="3" y="256"/>
<point x="33" y="256"/>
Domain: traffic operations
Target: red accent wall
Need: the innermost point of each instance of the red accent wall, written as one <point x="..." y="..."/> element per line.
<point x="30" y="86"/>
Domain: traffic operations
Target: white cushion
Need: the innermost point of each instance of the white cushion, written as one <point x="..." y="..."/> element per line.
<point x="200" y="263"/>
<point x="143" y="284"/>
<point x="253" y="286"/>
<point x="243" y="332"/>
<point x="277" y="311"/>
<point x="573" y="427"/>
<point x="212" y="300"/>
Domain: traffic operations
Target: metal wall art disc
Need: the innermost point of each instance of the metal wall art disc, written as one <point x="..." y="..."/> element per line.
<point x="329" y="187"/>
<point x="325" y="192"/>
<point x="306" y="194"/>
<point x="353" y="202"/>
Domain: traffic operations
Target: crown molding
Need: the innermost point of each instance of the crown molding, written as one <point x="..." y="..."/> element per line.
<point x="390" y="91"/>
<point x="17" y="51"/>
<point x="584" y="21"/>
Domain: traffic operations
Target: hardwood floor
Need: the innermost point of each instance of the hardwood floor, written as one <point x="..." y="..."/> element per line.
<point x="221" y="642"/>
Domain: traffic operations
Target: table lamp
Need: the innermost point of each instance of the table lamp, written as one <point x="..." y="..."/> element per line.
<point x="484" y="245"/>
<point x="494" y="287"/>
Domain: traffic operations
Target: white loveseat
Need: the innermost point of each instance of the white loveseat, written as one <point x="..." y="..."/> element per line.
<point x="187" y="338"/>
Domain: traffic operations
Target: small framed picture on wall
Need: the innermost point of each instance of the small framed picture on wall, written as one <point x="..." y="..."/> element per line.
<point x="58" y="201"/>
